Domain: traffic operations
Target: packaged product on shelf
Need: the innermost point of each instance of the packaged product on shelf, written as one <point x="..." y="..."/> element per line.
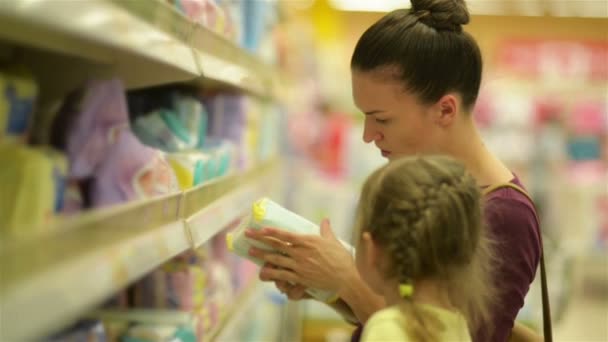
<point x="224" y="156"/>
<point x="250" y="322"/>
<point x="253" y="110"/>
<point x="227" y="121"/>
<point x="193" y="9"/>
<point x="255" y="22"/>
<point x="269" y="138"/>
<point x="167" y="119"/>
<point x="233" y="11"/>
<point x="19" y="92"/>
<point x="93" y="128"/>
<point x="179" y="284"/>
<point x="214" y="17"/>
<point x="219" y="293"/>
<point x="266" y="213"/>
<point x="33" y="185"/>
<point x="139" y="325"/>
<point x="81" y="331"/>
<point x="191" y="168"/>
<point x="131" y="171"/>
<point x="87" y="124"/>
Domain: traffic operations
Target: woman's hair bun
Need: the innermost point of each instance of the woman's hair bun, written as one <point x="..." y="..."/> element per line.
<point x="441" y="14"/>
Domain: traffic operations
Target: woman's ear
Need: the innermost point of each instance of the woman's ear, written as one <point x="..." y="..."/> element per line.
<point x="446" y="110"/>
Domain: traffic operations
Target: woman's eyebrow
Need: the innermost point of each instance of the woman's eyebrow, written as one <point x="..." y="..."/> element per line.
<point x="372" y="112"/>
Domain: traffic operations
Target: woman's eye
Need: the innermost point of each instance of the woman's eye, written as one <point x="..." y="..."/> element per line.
<point x="382" y="121"/>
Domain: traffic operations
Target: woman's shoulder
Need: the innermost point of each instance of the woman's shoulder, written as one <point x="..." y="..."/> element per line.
<point x="513" y="189"/>
<point x="509" y="201"/>
<point x="512" y="219"/>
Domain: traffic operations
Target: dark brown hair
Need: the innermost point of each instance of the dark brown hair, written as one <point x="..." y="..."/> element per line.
<point x="425" y="214"/>
<point x="425" y="48"/>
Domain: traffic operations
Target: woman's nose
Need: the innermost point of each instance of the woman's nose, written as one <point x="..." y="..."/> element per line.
<point x="370" y="134"/>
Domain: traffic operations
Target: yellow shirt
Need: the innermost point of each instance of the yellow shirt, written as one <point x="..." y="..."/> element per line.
<point x="387" y="325"/>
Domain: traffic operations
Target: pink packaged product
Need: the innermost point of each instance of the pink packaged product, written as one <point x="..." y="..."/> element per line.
<point x="179" y="284"/>
<point x="90" y="130"/>
<point x="131" y="171"/>
<point x="107" y="163"/>
<point x="193" y="9"/>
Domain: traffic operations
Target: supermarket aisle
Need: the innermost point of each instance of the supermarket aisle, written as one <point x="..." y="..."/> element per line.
<point x="133" y="136"/>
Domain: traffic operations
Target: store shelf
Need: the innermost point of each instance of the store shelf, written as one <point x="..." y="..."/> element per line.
<point x="236" y="314"/>
<point x="144" y="43"/>
<point x="142" y="52"/>
<point x="232" y="199"/>
<point x="50" y="280"/>
<point x="224" y="63"/>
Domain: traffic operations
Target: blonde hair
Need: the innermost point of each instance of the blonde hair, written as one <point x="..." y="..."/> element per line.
<point x="426" y="215"/>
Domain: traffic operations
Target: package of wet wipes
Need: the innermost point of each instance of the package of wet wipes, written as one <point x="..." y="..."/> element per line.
<point x="267" y="213"/>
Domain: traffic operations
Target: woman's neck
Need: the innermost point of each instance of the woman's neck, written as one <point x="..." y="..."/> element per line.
<point x="428" y="292"/>
<point x="465" y="144"/>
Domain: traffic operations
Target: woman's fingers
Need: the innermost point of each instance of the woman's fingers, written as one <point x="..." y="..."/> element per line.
<point x="293" y="292"/>
<point x="296" y="292"/>
<point x="275" y="234"/>
<point x="278" y="274"/>
<point x="283" y="286"/>
<point x="273" y="258"/>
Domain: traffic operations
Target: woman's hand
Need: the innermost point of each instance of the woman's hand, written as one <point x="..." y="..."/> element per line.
<point x="293" y="292"/>
<point x="310" y="261"/>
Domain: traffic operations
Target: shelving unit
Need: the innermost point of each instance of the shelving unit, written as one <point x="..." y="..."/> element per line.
<point x="144" y="43"/>
<point x="50" y="280"/>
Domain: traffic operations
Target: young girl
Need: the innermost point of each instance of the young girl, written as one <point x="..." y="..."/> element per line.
<point x="422" y="246"/>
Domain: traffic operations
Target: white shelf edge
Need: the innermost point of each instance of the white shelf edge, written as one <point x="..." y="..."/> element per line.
<point x="101" y="31"/>
<point x="144" y="45"/>
<point x="218" y="215"/>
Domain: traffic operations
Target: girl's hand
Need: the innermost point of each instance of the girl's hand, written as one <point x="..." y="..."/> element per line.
<point x="311" y="261"/>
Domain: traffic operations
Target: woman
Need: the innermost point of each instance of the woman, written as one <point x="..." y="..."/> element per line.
<point x="416" y="75"/>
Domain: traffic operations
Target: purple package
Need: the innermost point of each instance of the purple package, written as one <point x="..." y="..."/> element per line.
<point x="178" y="284"/>
<point x="226" y="117"/>
<point x="131" y="171"/>
<point x="103" y="109"/>
<point x="227" y="121"/>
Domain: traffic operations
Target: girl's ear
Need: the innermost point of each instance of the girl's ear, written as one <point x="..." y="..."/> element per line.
<point x="372" y="252"/>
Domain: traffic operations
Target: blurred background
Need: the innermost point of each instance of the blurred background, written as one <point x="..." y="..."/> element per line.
<point x="135" y="134"/>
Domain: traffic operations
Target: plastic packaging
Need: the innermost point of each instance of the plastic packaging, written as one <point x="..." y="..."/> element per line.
<point x="107" y="163"/>
<point x="138" y="325"/>
<point x="167" y="119"/>
<point x="131" y="171"/>
<point x="266" y="213"/>
<point x="191" y="168"/>
<point x="18" y="92"/>
<point x="33" y="183"/>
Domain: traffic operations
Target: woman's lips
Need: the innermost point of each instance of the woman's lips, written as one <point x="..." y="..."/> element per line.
<point x="385" y="153"/>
